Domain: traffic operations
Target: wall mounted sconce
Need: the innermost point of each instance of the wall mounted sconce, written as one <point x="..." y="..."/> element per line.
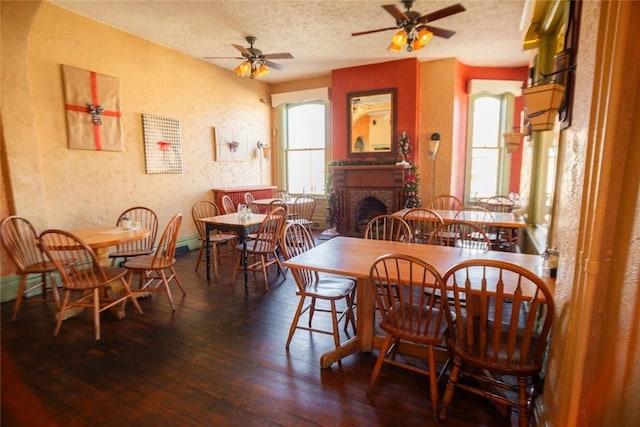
<point x="434" y="143"/>
<point x="266" y="150"/>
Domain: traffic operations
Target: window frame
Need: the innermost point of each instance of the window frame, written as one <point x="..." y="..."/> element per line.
<point x="283" y="178"/>
<point x="507" y="106"/>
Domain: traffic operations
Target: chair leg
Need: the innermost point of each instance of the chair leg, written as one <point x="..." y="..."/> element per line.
<point x="96" y="312"/>
<point x="294" y="322"/>
<point x="202" y="246"/>
<point x="523" y="402"/>
<point x="167" y="290"/>
<point x="265" y="272"/>
<point x="126" y="284"/>
<point x="433" y="383"/>
<point x="175" y="276"/>
<point x="378" y="366"/>
<point x="19" y="296"/>
<point x="451" y="387"/>
<point x="63" y="308"/>
<point x="334" y="321"/>
<point x="312" y="310"/>
<point x="54" y="288"/>
<point x="238" y="264"/>
<point x="350" y="314"/>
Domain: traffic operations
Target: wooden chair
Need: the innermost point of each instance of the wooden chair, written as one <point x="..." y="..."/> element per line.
<point x="20" y="239"/>
<point x="483" y="218"/>
<point x="148" y="219"/>
<point x="496" y="203"/>
<point x="461" y="234"/>
<point x="406" y="290"/>
<point x="422" y="222"/>
<point x="302" y="210"/>
<point x="278" y="203"/>
<point x="248" y="199"/>
<point x="446" y="202"/>
<point x="499" y="336"/>
<point x="228" y="205"/>
<point x="206" y="209"/>
<point x="280" y="194"/>
<point x="315" y="287"/>
<point x="264" y="246"/>
<point x="388" y="227"/>
<point x="504" y="239"/>
<point x="81" y="273"/>
<point x="153" y="268"/>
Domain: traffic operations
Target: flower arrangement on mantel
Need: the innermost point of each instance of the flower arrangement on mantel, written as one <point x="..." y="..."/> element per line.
<point x="410" y="190"/>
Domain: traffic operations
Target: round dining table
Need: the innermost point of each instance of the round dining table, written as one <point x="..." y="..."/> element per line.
<point x="101" y="238"/>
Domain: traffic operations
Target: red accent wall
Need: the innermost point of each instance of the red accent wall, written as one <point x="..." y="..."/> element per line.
<point x="466" y="73"/>
<point x="402" y="74"/>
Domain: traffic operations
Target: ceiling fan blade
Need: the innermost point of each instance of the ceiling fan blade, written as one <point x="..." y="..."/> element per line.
<point x="440" y="32"/>
<point x="273" y="65"/>
<point x="395" y="12"/>
<point x="373" y="31"/>
<point x="224" y="57"/>
<point x="442" y="13"/>
<point x="242" y="49"/>
<point x="283" y="55"/>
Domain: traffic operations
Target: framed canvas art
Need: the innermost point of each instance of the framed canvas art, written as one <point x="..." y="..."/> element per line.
<point x="162" y="144"/>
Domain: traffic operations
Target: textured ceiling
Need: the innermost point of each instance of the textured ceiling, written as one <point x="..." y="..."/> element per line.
<point x="316" y="33"/>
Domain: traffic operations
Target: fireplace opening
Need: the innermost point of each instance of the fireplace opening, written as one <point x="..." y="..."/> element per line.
<point x="367" y="209"/>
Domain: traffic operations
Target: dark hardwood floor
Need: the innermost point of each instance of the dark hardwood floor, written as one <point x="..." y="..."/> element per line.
<point x="220" y="359"/>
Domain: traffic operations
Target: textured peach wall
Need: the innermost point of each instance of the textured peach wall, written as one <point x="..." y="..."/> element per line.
<point x="437" y="114"/>
<point x="74" y="188"/>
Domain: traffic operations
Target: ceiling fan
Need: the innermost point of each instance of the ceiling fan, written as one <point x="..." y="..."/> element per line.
<point x="414" y="31"/>
<point x="256" y="63"/>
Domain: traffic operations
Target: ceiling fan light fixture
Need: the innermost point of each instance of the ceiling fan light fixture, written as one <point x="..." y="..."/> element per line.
<point x="244" y="69"/>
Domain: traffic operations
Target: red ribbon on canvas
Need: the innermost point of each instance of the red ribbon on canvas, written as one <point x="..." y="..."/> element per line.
<point x="93" y="110"/>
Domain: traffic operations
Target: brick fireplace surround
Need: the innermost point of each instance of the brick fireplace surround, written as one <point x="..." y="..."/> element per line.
<point x="357" y="184"/>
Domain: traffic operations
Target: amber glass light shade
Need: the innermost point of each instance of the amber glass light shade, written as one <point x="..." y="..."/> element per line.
<point x="394" y="47"/>
<point x="423" y="38"/>
<point x="399" y="38"/>
<point x="244" y="69"/>
<point x="261" y="72"/>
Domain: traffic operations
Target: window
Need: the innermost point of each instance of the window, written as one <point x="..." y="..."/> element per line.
<point x="305" y="147"/>
<point x="487" y="171"/>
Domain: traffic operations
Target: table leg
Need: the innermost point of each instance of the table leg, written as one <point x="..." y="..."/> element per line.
<point x="208" y="252"/>
<point x="244" y="262"/>
<point x="365" y="319"/>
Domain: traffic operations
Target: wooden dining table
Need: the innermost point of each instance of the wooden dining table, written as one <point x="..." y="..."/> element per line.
<point x="353" y="257"/>
<point x="241" y="225"/>
<point x="503" y="220"/>
<point x="263" y="204"/>
<point x="101" y="238"/>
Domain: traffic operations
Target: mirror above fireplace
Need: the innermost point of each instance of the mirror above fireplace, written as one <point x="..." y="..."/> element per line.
<point x="371" y="123"/>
